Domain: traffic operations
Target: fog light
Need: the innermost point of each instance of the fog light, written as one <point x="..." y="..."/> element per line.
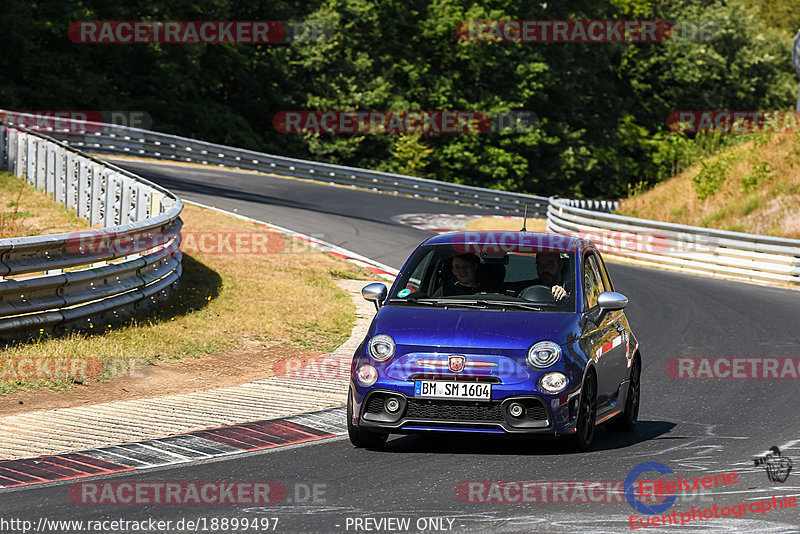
<point x="366" y="375"/>
<point x="516" y="409"/>
<point x="392" y="405"/>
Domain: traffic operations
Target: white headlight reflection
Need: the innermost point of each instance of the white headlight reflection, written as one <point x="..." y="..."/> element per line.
<point x="381" y="347"/>
<point x="366" y="375"/>
<point x="553" y="383"/>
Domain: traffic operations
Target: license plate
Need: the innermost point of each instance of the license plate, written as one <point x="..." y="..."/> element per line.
<point x="432" y="389"/>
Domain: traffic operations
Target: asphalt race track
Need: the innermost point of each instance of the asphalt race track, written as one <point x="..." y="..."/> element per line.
<point x="695" y="427"/>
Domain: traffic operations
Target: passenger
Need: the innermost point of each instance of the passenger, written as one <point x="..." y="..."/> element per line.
<point x="465" y="267"/>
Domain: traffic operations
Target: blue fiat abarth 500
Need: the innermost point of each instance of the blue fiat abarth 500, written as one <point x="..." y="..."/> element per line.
<point x="496" y="332"/>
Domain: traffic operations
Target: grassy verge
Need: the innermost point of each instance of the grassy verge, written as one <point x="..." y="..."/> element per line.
<point x="25" y="211"/>
<point x="753" y="188"/>
<point x="506" y="225"/>
<point x="226" y="301"/>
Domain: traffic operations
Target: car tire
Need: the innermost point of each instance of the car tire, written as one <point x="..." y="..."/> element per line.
<point x="587" y="414"/>
<point x="359" y="437"/>
<point x="626" y="421"/>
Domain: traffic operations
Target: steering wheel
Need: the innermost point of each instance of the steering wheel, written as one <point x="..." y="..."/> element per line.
<point x="537" y="293"/>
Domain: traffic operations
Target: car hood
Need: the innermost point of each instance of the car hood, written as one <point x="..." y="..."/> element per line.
<point x="487" y="329"/>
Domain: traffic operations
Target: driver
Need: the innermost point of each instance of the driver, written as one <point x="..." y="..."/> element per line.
<point x="550" y="266"/>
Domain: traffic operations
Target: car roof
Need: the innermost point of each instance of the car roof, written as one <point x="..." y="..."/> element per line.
<point x="550" y="241"/>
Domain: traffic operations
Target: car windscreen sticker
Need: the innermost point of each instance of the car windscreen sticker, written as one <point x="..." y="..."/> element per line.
<point x="403" y="293"/>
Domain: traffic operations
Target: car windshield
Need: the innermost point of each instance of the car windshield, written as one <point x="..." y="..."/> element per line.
<point x="443" y="276"/>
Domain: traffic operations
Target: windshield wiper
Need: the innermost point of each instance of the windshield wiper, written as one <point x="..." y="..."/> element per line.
<point x="444" y="302"/>
<point x="429" y="302"/>
<point x="512" y="304"/>
<point x="463" y="303"/>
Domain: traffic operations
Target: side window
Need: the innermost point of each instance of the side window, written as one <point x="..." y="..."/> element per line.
<point x="609" y="286"/>
<point x="592" y="281"/>
<point x="416" y="278"/>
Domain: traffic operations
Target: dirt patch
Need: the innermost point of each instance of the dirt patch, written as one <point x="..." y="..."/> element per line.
<point x="248" y="362"/>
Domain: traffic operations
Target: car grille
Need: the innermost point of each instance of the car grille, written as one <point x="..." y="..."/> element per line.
<point x="535" y="410"/>
<point x="375" y="404"/>
<point x="450" y="411"/>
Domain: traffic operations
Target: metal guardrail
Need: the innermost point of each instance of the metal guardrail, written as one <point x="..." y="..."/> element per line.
<point x="125" y="141"/>
<point x="128" y="261"/>
<point x="755" y="258"/>
<point x="656" y="244"/>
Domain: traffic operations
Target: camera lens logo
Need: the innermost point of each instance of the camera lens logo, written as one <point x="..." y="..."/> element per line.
<point x="778" y="467"/>
<point x="630" y="492"/>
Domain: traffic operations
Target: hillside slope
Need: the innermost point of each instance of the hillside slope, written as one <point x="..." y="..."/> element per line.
<point x="753" y="188"/>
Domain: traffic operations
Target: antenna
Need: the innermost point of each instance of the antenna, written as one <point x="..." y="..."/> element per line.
<point x="525" y="220"/>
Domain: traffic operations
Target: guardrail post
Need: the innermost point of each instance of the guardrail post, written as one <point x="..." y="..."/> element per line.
<point x="19" y="156"/>
<point x="41" y="164"/>
<point x="3" y="144"/>
<point x="83" y="188"/>
<point x="59" y="193"/>
<point x="94" y="197"/>
<point x="71" y="181"/>
<point x="12" y="151"/>
<point x="125" y="201"/>
<point x="155" y="204"/>
<point x="141" y="206"/>
<point x="51" y="164"/>
<point x="109" y="215"/>
<point x="30" y="159"/>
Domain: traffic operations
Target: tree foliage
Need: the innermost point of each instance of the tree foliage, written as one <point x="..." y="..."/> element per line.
<point x="601" y="108"/>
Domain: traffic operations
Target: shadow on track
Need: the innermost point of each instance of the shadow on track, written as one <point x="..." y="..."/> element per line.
<point x="463" y="443"/>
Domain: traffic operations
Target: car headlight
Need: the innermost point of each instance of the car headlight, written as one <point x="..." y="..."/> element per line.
<point x="543" y="354"/>
<point x="367" y="375"/>
<point x="553" y="383"/>
<point x="381" y="347"/>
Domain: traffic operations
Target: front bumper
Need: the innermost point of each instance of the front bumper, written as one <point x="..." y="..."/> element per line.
<point x="540" y="416"/>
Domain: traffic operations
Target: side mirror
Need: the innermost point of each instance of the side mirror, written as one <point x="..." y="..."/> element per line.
<point x="611" y="300"/>
<point x="376" y="293"/>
